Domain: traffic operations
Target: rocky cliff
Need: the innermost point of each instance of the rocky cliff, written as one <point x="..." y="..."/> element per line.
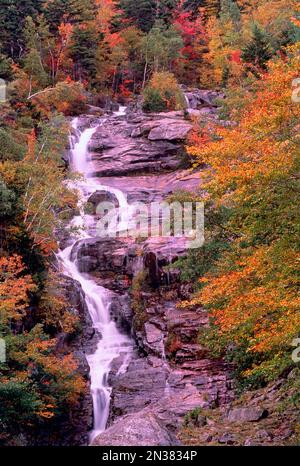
<point x="169" y="373"/>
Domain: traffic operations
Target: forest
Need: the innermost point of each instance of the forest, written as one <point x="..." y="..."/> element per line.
<point x="59" y="60"/>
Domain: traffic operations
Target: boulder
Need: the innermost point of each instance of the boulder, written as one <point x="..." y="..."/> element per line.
<point x="103" y="196"/>
<point x="251" y="414"/>
<point x="140" y="429"/>
<point x="170" y="131"/>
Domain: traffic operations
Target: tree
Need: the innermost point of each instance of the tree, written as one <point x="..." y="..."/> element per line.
<point x="74" y="12"/>
<point x="210" y="7"/>
<point x="252" y="290"/>
<point x="7" y="198"/>
<point x="17" y="401"/>
<point x="163" y="93"/>
<point x="83" y="52"/>
<point x="258" y="52"/>
<point x="5" y="67"/>
<point x="15" y="286"/>
<point x="144" y="13"/>
<point x="160" y="48"/>
<point x="194" y="37"/>
<point x="12" y="19"/>
<point x="33" y="61"/>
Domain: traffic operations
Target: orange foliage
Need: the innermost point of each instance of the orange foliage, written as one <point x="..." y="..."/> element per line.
<point x="15" y="286"/>
<point x="253" y="292"/>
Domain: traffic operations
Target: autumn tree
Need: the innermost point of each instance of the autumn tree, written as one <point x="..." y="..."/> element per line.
<point x="252" y="289"/>
<point x="194" y="38"/>
<point x="163" y="93"/>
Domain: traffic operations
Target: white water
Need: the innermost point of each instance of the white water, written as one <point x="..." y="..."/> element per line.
<point x="112" y="343"/>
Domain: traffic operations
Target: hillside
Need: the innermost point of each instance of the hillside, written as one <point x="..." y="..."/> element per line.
<point x="115" y="327"/>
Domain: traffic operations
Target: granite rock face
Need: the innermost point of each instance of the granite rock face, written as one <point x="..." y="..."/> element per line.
<point x="142" y="429"/>
<point x="169" y="373"/>
<point x="144" y="144"/>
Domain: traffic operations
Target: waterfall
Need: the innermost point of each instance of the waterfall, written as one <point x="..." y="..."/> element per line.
<point x="112" y="343"/>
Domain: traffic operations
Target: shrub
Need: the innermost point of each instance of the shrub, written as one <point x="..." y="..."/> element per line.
<point x="138" y="306"/>
<point x="153" y="101"/>
<point x="163" y="93"/>
<point x="67" y="97"/>
<point x="10" y="148"/>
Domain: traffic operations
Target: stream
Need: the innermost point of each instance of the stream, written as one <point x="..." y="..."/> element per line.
<point x="146" y="368"/>
<point x="112" y="343"/>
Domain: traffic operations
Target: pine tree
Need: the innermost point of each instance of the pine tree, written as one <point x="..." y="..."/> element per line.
<point x="230" y="12"/>
<point x="258" y="52"/>
<point x="145" y="12"/>
<point x="83" y="52"/>
<point x="70" y="11"/>
<point x="212" y="7"/>
<point x="12" y="19"/>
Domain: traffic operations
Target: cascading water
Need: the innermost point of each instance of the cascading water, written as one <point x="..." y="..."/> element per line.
<point x="112" y="343"/>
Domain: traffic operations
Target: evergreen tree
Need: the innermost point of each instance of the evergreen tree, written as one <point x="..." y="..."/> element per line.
<point x="71" y="11"/>
<point x="34" y="36"/>
<point x="12" y="19"/>
<point x="145" y="12"/>
<point x="7" y="199"/>
<point x="212" y="7"/>
<point x="258" y="51"/>
<point x="230" y="12"/>
<point x="83" y="52"/>
<point x="5" y="68"/>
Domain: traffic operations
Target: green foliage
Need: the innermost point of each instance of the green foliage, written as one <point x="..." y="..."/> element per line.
<point x="7" y="198"/>
<point x="5" y="68"/>
<point x="200" y="261"/>
<point x="192" y="416"/>
<point x="161" y="46"/>
<point x="145" y="12"/>
<point x="139" y="283"/>
<point x="18" y="401"/>
<point x="212" y="7"/>
<point x="32" y="61"/>
<point x="230" y="11"/>
<point x="12" y="19"/>
<point x="10" y="148"/>
<point x="153" y="101"/>
<point x="163" y="93"/>
<point x="83" y="52"/>
<point x="73" y="11"/>
<point x="258" y="52"/>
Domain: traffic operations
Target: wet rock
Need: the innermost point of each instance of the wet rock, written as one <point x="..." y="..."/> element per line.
<point x="121" y="312"/>
<point x="103" y="196"/>
<point x="140" y="386"/>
